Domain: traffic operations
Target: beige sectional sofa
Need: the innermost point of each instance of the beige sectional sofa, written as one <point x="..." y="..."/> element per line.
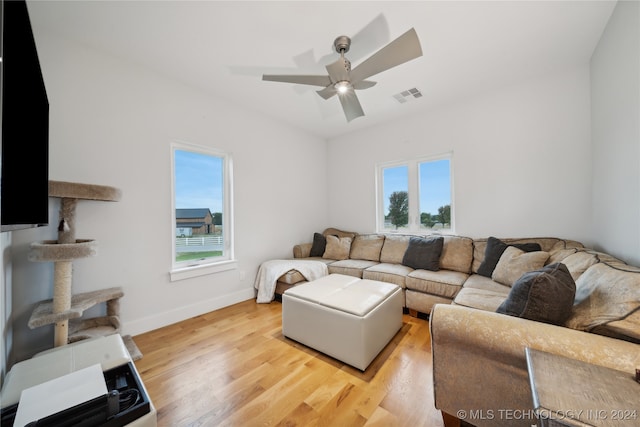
<point x="380" y="256"/>
<point x="478" y="355"/>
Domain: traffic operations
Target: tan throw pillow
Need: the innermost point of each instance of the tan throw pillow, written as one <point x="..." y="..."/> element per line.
<point x="515" y="262"/>
<point x="337" y="248"/>
<point x="394" y="248"/>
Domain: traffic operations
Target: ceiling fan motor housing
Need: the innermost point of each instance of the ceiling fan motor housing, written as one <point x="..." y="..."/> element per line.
<point x="342" y="44"/>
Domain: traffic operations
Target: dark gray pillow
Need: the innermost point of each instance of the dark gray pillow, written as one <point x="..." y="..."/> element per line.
<point x="494" y="250"/>
<point x="319" y="245"/>
<point x="423" y="253"/>
<point x="545" y="295"/>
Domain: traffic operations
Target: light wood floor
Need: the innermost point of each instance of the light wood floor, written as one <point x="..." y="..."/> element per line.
<point x="233" y="367"/>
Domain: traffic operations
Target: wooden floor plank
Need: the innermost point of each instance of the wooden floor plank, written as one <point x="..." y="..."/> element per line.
<point x="233" y="367"/>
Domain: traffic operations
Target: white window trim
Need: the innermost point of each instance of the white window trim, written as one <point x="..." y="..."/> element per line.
<point x="414" y="191"/>
<point x="195" y="268"/>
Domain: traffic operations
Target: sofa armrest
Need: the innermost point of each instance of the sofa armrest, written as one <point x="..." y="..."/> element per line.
<point x="302" y="250"/>
<point x="479" y="362"/>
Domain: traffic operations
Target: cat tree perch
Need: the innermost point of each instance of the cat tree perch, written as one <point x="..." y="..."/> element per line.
<point x="64" y="306"/>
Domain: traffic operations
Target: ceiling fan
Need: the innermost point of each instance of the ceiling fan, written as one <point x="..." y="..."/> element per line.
<point x="344" y="81"/>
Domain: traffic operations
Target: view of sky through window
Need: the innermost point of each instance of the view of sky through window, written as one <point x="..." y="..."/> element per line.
<point x="435" y="185"/>
<point x="198" y="181"/>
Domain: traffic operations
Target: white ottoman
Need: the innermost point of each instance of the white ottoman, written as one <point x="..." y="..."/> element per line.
<point x="345" y="317"/>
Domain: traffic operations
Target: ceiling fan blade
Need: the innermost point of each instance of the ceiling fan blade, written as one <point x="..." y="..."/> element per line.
<point x="403" y="49"/>
<point x="338" y="71"/>
<point x="373" y="36"/>
<point x="365" y="84"/>
<point x="327" y="92"/>
<point x="351" y="105"/>
<point x="301" y="80"/>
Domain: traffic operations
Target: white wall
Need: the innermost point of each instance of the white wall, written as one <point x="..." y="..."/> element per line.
<point x="112" y="124"/>
<point x="521" y="160"/>
<point x="615" y="92"/>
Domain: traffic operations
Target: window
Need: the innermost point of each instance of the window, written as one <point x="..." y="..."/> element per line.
<point x="415" y="196"/>
<point x="201" y="210"/>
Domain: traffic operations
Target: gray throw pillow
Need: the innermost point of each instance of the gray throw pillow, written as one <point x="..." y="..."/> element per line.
<point x="545" y="295"/>
<point x="424" y="253"/>
<point x="318" y="246"/>
<point x="494" y="250"/>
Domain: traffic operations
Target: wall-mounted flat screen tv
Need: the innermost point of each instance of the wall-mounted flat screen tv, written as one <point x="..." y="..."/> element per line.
<point x="24" y="184"/>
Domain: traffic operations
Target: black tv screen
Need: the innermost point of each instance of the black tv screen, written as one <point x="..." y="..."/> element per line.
<point x="25" y="123"/>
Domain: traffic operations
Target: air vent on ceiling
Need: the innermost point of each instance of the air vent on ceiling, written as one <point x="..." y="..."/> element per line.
<point x="407" y="95"/>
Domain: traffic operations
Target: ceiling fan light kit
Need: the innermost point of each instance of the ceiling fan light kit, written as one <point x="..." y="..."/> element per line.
<point x="344" y="81"/>
<point x="342" y="86"/>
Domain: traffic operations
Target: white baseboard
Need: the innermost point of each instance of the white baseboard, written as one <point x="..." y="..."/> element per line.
<point x="178" y="314"/>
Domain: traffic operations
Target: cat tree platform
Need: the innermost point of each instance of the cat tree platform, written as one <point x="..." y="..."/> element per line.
<point x="44" y="314"/>
<point x="74" y="190"/>
<point x="51" y="250"/>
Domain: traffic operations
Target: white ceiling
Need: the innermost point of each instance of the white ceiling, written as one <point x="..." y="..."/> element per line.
<point x="224" y="47"/>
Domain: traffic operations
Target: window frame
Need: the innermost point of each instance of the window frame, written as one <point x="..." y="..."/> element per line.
<point x="413" y="188"/>
<point x="187" y="269"/>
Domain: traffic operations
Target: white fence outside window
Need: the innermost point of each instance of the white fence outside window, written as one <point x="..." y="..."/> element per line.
<point x="199" y="243"/>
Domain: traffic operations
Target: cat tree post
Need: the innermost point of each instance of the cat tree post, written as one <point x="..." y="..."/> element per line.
<point x="62" y="270"/>
<point x="61" y="299"/>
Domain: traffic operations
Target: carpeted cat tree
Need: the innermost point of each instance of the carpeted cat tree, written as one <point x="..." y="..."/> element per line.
<point x="65" y="310"/>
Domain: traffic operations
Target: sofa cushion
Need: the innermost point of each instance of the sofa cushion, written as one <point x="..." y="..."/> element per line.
<point x="291" y="277"/>
<point x="605" y="293"/>
<point x="494" y="250"/>
<point x="515" y="262"/>
<point x="482" y="299"/>
<point x="423" y="253"/>
<point x="337" y="248"/>
<point x="367" y="247"/>
<point x="388" y="272"/>
<point x="627" y="329"/>
<point x="350" y="267"/>
<point x="579" y="262"/>
<point x="445" y="283"/>
<point x="562" y="249"/>
<point x="476" y="281"/>
<point x="394" y="248"/>
<point x="457" y="254"/>
<point x="318" y="246"/>
<point x="545" y="295"/>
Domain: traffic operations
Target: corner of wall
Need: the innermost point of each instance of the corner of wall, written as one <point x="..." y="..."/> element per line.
<point x="6" y="343"/>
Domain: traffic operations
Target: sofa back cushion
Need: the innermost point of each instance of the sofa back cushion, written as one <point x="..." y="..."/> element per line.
<point x="457" y="254"/>
<point x="579" y="262"/>
<point x="562" y="249"/>
<point x="394" y="248"/>
<point x="339" y="233"/>
<point x="605" y="293"/>
<point x="367" y="247"/>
